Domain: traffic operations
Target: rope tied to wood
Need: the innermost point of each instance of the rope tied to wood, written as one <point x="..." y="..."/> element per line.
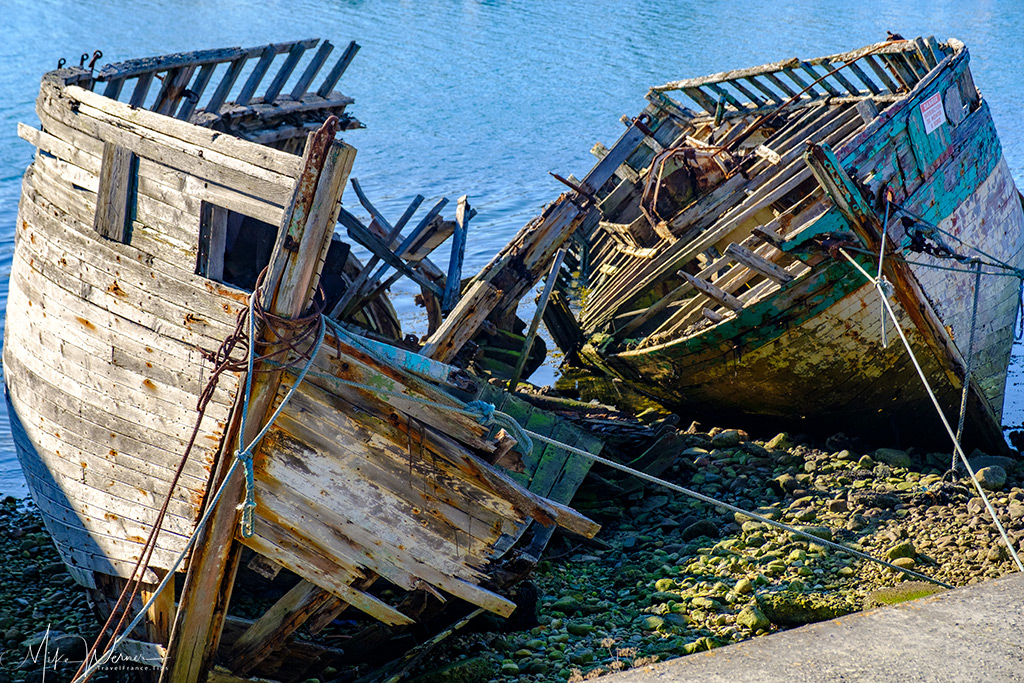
<point x="244" y="454"/>
<point x="489" y="415"/>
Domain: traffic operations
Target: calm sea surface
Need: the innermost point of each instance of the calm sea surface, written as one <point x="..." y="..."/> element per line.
<point x="485" y="98"/>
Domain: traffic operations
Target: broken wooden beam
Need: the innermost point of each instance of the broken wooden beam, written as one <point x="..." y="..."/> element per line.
<point x="291" y="280"/>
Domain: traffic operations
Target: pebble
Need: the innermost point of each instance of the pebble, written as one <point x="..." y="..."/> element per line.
<point x="753" y="618"/>
<point x="901" y="550"/>
<point x="992" y="478"/>
<point x="698" y="529"/>
<point x="893" y="457"/>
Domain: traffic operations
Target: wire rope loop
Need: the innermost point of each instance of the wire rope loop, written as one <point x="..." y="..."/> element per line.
<point x="1020" y="310"/>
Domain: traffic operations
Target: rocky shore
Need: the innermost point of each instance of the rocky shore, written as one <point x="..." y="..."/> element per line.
<point x="678" y="576"/>
<point x="668" y="575"/>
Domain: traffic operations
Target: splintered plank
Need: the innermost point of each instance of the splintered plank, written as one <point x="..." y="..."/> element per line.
<point x="277" y="623"/>
<point x="290" y="281"/>
<point x="462" y="323"/>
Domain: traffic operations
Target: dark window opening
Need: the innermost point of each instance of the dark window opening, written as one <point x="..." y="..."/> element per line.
<point x="233" y="248"/>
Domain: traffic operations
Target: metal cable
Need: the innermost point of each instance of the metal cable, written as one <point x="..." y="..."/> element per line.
<point x="938" y="409"/>
<point x="970" y="361"/>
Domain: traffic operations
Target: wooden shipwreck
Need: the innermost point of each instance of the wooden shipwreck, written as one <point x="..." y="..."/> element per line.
<point x="713" y="279"/>
<point x="172" y="203"/>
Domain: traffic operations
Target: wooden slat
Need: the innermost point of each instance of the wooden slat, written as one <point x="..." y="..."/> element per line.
<point x="864" y="78"/>
<point x="714" y="293"/>
<point x="312" y="69"/>
<point x="116" y="192"/>
<point x="294" y="55"/>
<point x="378" y="248"/>
<point x="461" y="325"/>
<point x="883" y="76"/>
<point x="171" y="90"/>
<point x="195" y="93"/>
<point x="113" y="88"/>
<point x="138" y="98"/>
<point x="336" y="72"/>
<point x="780" y="84"/>
<point x="758" y="263"/>
<point x="227" y="82"/>
<point x="256" y="76"/>
<point x="280" y="621"/>
<point x="454" y="280"/>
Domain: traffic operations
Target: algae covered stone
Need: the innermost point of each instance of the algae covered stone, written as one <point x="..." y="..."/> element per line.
<point x="893" y="457"/>
<point x="753" y="618"/>
<point x="789" y="608"/>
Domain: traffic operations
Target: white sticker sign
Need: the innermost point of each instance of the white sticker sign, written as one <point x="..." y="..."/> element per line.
<point x="933" y="113"/>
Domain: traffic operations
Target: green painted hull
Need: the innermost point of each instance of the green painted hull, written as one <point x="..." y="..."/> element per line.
<point x="812" y="351"/>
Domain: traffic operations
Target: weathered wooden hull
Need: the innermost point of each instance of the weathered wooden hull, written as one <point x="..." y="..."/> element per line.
<point x="809" y="345"/>
<point x="372" y="470"/>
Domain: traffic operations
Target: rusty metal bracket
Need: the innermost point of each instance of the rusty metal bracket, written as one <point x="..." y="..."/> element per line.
<point x="579" y="189"/>
<point x="641" y="122"/>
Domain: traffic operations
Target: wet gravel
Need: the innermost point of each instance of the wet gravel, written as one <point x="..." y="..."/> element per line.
<point x="667" y="576"/>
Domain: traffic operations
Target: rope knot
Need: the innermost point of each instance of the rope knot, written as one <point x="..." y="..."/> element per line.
<point x="886" y="287"/>
<point x="485" y="409"/>
<point x="249" y="506"/>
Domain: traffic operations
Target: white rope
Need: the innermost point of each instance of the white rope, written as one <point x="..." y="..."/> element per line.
<point x="938" y="408"/>
<point x="732" y="508"/>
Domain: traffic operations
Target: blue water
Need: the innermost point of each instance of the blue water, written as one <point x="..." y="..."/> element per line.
<point x="485" y="98"/>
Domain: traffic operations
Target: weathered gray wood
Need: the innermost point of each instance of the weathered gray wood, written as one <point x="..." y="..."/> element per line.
<point x="227" y="145"/>
<point x="138" y="98"/>
<point x="220" y="94"/>
<point x="171" y="90"/>
<point x="378" y="248"/>
<point x="135" y="67"/>
<point x="189" y="157"/>
<point x="312" y="69"/>
<point x="280" y="621"/>
<point x="864" y="78"/>
<point x="879" y="71"/>
<point x="336" y="72"/>
<point x="294" y="55"/>
<point x="461" y="325"/>
<point x="714" y="293"/>
<point x="195" y="93"/>
<point x="354" y="296"/>
<point x="213" y="233"/>
<point x="113" y="88"/>
<point x="256" y="76"/>
<point x="291" y="278"/>
<point x="116" y="192"/>
<point x="868" y="110"/>
<point x="758" y="263"/>
<point x="775" y="67"/>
